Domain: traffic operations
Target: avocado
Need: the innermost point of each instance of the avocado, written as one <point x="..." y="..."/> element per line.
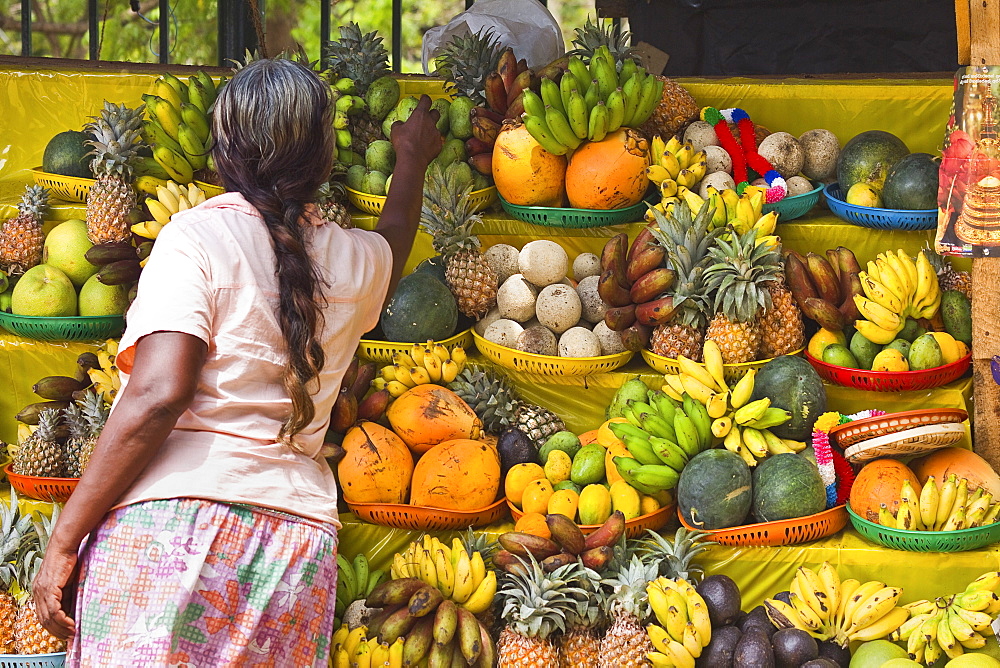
<point x="793" y="647"/>
<point x="719" y="652"/>
<point x="758" y="618"/>
<point x="723" y="599"/>
<point x="840" y="656"/>
<point x="514" y="447"/>
<point x="822" y="662"/>
<point x="783" y="596"/>
<point x="754" y="649"/>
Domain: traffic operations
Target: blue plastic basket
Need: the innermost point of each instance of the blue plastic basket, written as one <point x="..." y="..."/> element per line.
<point x="791" y="208"/>
<point x="880" y="219"/>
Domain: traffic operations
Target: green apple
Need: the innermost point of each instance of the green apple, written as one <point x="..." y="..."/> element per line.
<point x="65" y="248"/>
<point x="99" y="299"/>
<point x="44" y="290"/>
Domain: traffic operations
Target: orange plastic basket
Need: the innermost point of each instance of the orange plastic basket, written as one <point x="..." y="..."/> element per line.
<point x="781" y="532"/>
<point x="634" y="527"/>
<point x="56" y="490"/>
<point x="891" y="381"/>
<point x="422" y="518"/>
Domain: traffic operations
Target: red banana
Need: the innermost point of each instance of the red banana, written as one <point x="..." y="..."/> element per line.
<point x="611" y="291"/>
<point x="847" y="261"/>
<point x="482" y="163"/>
<point x="618" y="318"/>
<point x="550" y="564"/>
<point x="566" y="532"/>
<point x="374" y="406"/>
<point x="495" y="116"/>
<point x="596" y="558"/>
<point x="344" y="413"/>
<point x="507" y="68"/>
<point x="522" y="544"/>
<point x="825" y="313"/>
<point x="797" y="279"/>
<point x="642" y="241"/>
<point x="363" y="380"/>
<point x="833" y="257"/>
<point x="657" y="312"/>
<point x="516" y="109"/>
<point x="823" y="277"/>
<point x="495" y="92"/>
<point x="853" y="287"/>
<point x="608" y="534"/>
<point x="614" y="253"/>
<point x="475" y="146"/>
<point x="351" y="374"/>
<point x="522" y="65"/>
<point x="509" y="562"/>
<point x="554" y="69"/>
<point x="635" y="337"/>
<point x="484" y="129"/>
<point x="644" y="261"/>
<point x="526" y="79"/>
<point x="651" y="285"/>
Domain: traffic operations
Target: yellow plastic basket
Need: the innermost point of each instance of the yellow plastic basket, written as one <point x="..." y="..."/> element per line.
<point x="382" y="351"/>
<point x="67" y="188"/>
<point x="733" y="372"/>
<point x="548" y="365"/>
<point x="373" y="203"/>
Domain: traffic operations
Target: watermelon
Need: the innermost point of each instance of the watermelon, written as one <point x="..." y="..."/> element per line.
<point x="66" y="154"/>
<point x="868" y="157"/>
<point x="421" y="308"/>
<point x="793" y="384"/>
<point x="435" y="266"/>
<point x="786" y="486"/>
<point x="912" y="183"/>
<point x="714" y="490"/>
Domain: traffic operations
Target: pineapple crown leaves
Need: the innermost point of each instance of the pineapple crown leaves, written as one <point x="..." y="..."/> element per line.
<point x="739" y="275"/>
<point x="466" y="61"/>
<point x="598" y="33"/>
<point x="48" y="422"/>
<point x="627" y="588"/>
<point x="34" y="202"/>
<point x="535" y="604"/>
<point x="15" y="536"/>
<point x="116" y="139"/>
<point x="673" y="557"/>
<point x="489" y="393"/>
<point x="686" y="238"/>
<point x="74" y="419"/>
<point x="482" y="543"/>
<point x="589" y="612"/>
<point x="95" y="413"/>
<point x="357" y="56"/>
<point x="447" y="213"/>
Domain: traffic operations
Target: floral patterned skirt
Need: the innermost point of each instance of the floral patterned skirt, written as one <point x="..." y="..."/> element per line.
<point x="199" y="584"/>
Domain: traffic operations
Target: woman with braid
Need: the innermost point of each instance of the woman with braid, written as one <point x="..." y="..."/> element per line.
<point x="204" y="531"/>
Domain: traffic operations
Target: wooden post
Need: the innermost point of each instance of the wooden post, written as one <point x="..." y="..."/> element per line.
<point x="984" y="49"/>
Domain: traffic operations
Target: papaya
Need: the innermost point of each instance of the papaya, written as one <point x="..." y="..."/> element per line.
<point x="429" y="414"/>
<point x="376" y="467"/>
<point x="460" y="474"/>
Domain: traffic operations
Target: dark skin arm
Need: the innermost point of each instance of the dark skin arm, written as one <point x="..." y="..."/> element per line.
<point x="417" y="142"/>
<point x="165" y="375"/>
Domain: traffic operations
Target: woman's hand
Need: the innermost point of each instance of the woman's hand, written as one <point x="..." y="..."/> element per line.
<point x="417" y="140"/>
<point x="52" y="593"/>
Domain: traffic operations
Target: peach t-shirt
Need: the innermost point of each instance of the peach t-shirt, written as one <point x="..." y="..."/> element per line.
<point x="212" y="275"/>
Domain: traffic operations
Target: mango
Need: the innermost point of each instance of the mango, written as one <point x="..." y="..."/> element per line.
<point x="863" y="194"/>
<point x="536" y="496"/>
<point x="625" y="498"/>
<point x="374" y="183"/>
<point x="567" y="484"/>
<point x="480" y="181"/>
<point x="890" y="359"/>
<point x="925" y="353"/>
<point x="588" y="465"/>
<point x="557" y="467"/>
<point x="459" y="173"/>
<point x="595" y="505"/>
<point x="459" y="119"/>
<point x="950" y="351"/>
<point x="518" y="478"/>
<point x="821" y="339"/>
<point x="566" y="441"/>
<point x="380" y="156"/>
<point x="564" y="502"/>
<point x="442" y="104"/>
<point x="956" y="313"/>
<point x="911" y="330"/>
<point x="610" y="470"/>
<point x="355" y="176"/>
<point x="633" y="389"/>
<point x="647" y="505"/>
<point x="902" y="345"/>
<point x="452" y="151"/>
<point x="864" y="351"/>
<point x="840" y="355"/>
<point x="382" y="96"/>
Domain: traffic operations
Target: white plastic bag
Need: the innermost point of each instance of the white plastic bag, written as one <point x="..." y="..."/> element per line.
<point x="524" y="25"/>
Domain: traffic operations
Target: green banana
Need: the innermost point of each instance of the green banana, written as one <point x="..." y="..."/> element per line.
<point x="576" y="112"/>
<point x="687" y="434"/>
<point x="199" y="97"/>
<point x="532" y="103"/>
<point x="702" y="422"/>
<point x="207" y="82"/>
<point x="641" y="449"/>
<point x="592" y="95"/>
<point x="361" y="570"/>
<point x="579" y="71"/>
<point x="551" y="95"/>
<point x="559" y="126"/>
<point x="652" y="89"/>
<point x="154" y="135"/>
<point x="656" y="476"/>
<point x="631" y="92"/>
<point x="540" y="132"/>
<point x="176" y="84"/>
<point x="771" y="417"/>
<point x="669" y="452"/>
<point x="145" y="166"/>
<point x="375" y="578"/>
<point x="633" y="418"/>
<point x="177" y="165"/>
<point x="606" y="75"/>
<point x="623" y="429"/>
<point x="751" y="411"/>
<point x="616" y="109"/>
<point x="346" y="579"/>
<point x="165" y="114"/>
<point x="626" y="466"/>
<point x="567" y="84"/>
<point x="597" y="129"/>
<point x="194" y="150"/>
<point x="657" y="426"/>
<point x="629" y="68"/>
<point x="664" y="404"/>
<point x="196" y="119"/>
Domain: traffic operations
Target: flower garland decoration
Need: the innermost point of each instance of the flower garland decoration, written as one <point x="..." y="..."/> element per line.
<point x="745" y="152"/>
<point x="836" y="472"/>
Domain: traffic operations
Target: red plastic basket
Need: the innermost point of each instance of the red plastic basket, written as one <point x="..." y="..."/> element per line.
<point x="891" y="381"/>
<point x="56" y="490"/>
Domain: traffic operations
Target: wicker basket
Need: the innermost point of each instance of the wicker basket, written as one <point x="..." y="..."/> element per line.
<point x="548" y="365"/>
<point x="382" y="351"/>
<point x="907" y="443"/>
<point x="733" y="372"/>
<point x="54" y="660"/>
<point x="373" y="203"/>
<point x="891" y="381"/>
<point x="852" y="433"/>
<point x="56" y="490"/>
<point x="794" y="207"/>
<point x="877" y="218"/>
<point x="67" y="188"/>
<point x="78" y="328"/>
<point x="781" y="532"/>
<point x="926" y="541"/>
<point x="634" y="528"/>
<point x="420" y="518"/>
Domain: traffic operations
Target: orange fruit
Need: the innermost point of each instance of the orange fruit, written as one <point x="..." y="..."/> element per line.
<point x="518" y="478"/>
<point x="588" y="437"/>
<point x="533" y="523"/>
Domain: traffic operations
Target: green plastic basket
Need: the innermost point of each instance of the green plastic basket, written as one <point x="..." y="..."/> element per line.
<point x="794" y="207"/>
<point x="926" y="541"/>
<point x="79" y="328"/>
<point x="551" y="216"/>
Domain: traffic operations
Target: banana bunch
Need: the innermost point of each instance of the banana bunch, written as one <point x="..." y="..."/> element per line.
<point x="826" y="288"/>
<point x="661" y="435"/>
<point x="104" y="376"/>
<point x="346" y="103"/>
<point x="355" y="581"/>
<point x="949" y="506"/>
<point x="353" y="647"/>
<point x="430" y="363"/>
<point x="684" y="627"/>
<point x="435" y="630"/>
<point x="949" y="625"/>
<point x="828" y="609"/>
<point x="169" y="199"/>
<point x="462" y="578"/>
<point x="741" y="425"/>
<point x="740" y="213"/>
<point x="895" y="286"/>
<point x="673" y="165"/>
<point x="589" y="102"/>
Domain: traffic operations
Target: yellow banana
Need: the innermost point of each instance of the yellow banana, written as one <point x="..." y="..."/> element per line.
<point x="673" y="145"/>
<point x="979" y="621"/>
<point x="876" y="334"/>
<point x="742" y="390"/>
<point x="766" y="224"/>
<point x="754" y="442"/>
<point x="847" y="589"/>
<point x="861" y="594"/>
<point x="699" y="372"/>
<point x="354" y="639"/>
<point x="891" y="280"/>
<point x="751" y="411"/>
<point x="418" y="376"/>
<point x="482" y="597"/>
<point x="718" y="405"/>
<point x="684" y="155"/>
<point x="775" y="445"/>
<point x="657" y="173"/>
<point x="808" y="616"/>
<point x="449" y="371"/>
<point x="396" y="388"/>
<point x="902" y="274"/>
<point x="960" y="629"/>
<point x="698" y="390"/>
<point x="162" y="89"/>
<point x="668" y="189"/>
<point x="671" y="164"/>
<point x="691" y="641"/>
<point x="722" y="426"/>
<point x="148" y="229"/>
<point x="814" y="592"/>
<point x="882" y="626"/>
<point x="445" y="573"/>
<point x="698" y="166"/>
<point x="909" y="627"/>
<point x="928" y="502"/>
<point x="148" y="184"/>
<point x="402" y="375"/>
<point x="159" y="212"/>
<point x="396" y="653"/>
<point x="908" y="497"/>
<point x="830" y="579"/>
<point x="874" y="608"/>
<point x="926" y="282"/>
<point x="658" y="602"/>
<point x="877" y="313"/>
<point x="879" y="293"/>
<point x="945" y="637"/>
<point x="433" y="365"/>
<point x="478" y="568"/>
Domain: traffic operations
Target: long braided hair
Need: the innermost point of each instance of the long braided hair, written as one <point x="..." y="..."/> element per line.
<point x="273" y="134"/>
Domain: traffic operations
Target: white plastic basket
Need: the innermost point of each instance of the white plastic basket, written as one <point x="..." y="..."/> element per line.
<point x="54" y="660"/>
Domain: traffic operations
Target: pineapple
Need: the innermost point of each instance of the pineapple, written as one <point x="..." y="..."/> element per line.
<point x="21" y="237"/>
<point x="447" y="215"/>
<point x="30" y="637"/>
<point x="15" y="528"/>
<point x="537" y="423"/>
<point x="673" y="557"/>
<point x="466" y="61"/>
<point x="602" y="33"/>
<point x="782" y="330"/>
<point x="490" y="395"/>
<point x="535" y="605"/>
<point x="580" y="645"/>
<point x="330" y="200"/>
<point x="625" y="644"/>
<point x="95" y="412"/>
<point x="687" y="241"/>
<point x="948" y="278"/>
<point x="361" y="58"/>
<point x="112" y="198"/>
<point x="674" y="112"/>
<point x="740" y="275"/>
<point x="41" y="454"/>
<point x="79" y="432"/>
